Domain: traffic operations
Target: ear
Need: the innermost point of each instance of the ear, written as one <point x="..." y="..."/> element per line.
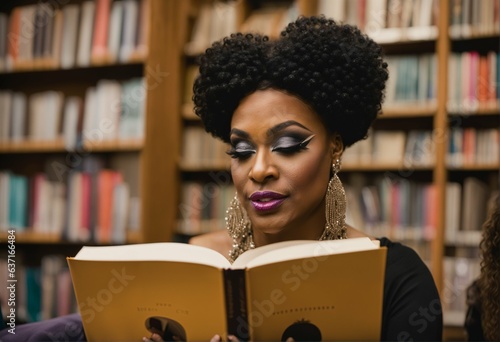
<point x="336" y="146"/>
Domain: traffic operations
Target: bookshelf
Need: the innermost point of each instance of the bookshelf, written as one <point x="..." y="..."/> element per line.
<point x="439" y="29"/>
<point x="147" y="161"/>
<point x="183" y="29"/>
<point x="472" y="157"/>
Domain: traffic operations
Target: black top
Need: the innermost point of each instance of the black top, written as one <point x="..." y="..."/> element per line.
<point x="473" y="317"/>
<point x="412" y="308"/>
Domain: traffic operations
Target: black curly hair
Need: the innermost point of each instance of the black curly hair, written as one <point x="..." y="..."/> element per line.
<point x="334" y="68"/>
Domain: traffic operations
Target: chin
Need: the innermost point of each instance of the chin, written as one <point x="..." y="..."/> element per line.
<point x="269" y="229"/>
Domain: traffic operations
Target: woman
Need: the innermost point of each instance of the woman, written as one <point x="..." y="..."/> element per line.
<point x="289" y="108"/>
<point x="482" y="322"/>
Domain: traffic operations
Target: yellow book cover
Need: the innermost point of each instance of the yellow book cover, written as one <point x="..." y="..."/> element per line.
<point x="314" y="290"/>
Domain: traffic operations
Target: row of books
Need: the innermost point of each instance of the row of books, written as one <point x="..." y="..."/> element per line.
<point x="218" y="19"/>
<point x="466" y="210"/>
<point x="386" y="20"/>
<point x="458" y="274"/>
<point x="89" y="206"/>
<point x="412" y="81"/>
<point x="42" y="292"/>
<point x="383" y="20"/>
<point x="404" y="210"/>
<point x="111" y="110"/>
<point x="93" y="32"/>
<point x="473" y="81"/>
<point x="470" y="18"/>
<point x="215" y="20"/>
<point x="203" y="206"/>
<point x="470" y="146"/>
<point x="393" y="207"/>
<point x="393" y="148"/>
<point x="201" y="150"/>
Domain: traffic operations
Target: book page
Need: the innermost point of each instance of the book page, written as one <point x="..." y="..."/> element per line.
<point x="161" y="251"/>
<point x="251" y="254"/>
<point x="312" y="249"/>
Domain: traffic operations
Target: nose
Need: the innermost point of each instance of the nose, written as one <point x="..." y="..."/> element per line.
<point x="263" y="168"/>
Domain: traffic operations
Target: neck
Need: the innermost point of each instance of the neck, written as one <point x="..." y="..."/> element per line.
<point x="262" y="239"/>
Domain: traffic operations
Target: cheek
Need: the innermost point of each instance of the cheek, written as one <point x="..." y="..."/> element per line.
<point x="238" y="175"/>
<point x="310" y="174"/>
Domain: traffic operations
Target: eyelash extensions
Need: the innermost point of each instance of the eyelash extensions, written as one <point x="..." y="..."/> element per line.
<point x="280" y="147"/>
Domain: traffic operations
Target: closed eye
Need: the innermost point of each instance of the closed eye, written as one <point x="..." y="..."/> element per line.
<point x="241" y="150"/>
<point x="290" y="145"/>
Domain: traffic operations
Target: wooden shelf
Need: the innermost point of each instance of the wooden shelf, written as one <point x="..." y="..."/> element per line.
<point x="453" y="333"/>
<point x="30" y="237"/>
<point x="114" y="145"/>
<point x="204" y="168"/>
<point x="383" y="167"/>
<point x="408" y="111"/>
<point x="28" y="146"/>
<point x="474" y="35"/>
<point x="57" y="146"/>
<point x="476" y="167"/>
<point x="46" y="66"/>
<point x="479" y="112"/>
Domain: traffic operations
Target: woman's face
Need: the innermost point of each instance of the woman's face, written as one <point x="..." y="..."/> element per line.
<point x="281" y="161"/>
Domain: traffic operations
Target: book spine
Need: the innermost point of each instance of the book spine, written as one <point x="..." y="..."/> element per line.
<point x="236" y="304"/>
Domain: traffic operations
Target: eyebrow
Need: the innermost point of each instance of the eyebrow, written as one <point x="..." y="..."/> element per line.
<point x="272" y="131"/>
<point x="279" y="127"/>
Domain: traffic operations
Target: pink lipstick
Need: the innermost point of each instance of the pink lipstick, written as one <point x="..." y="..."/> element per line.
<point x="266" y="200"/>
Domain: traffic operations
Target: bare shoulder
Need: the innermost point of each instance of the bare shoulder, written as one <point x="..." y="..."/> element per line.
<point x="218" y="241"/>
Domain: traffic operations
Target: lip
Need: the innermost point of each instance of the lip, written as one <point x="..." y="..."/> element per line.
<point x="266" y="200"/>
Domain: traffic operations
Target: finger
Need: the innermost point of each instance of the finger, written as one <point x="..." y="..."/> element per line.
<point x="233" y="338"/>
<point x="290" y="339"/>
<point x="155" y="338"/>
<point x="216" y="338"/>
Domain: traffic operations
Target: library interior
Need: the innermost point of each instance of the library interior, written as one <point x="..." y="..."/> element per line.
<point x="135" y="165"/>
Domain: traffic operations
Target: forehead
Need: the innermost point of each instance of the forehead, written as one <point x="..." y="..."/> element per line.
<point x="264" y="109"/>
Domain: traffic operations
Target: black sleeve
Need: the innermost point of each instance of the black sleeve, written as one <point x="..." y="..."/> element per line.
<point x="412" y="308"/>
<point x="472" y="322"/>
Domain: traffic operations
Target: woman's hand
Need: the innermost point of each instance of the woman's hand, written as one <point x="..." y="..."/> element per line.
<point x="230" y="338"/>
<point x="153" y="338"/>
<point x="157" y="338"/>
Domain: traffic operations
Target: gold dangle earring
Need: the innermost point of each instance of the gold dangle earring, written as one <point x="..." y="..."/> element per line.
<point x="335" y="207"/>
<point x="239" y="228"/>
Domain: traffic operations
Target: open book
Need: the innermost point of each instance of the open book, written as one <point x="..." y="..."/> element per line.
<point x="323" y="290"/>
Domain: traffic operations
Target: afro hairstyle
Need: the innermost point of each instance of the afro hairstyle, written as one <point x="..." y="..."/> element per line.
<point x="334" y="68"/>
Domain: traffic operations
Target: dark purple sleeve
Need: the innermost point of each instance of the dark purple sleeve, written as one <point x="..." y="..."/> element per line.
<point x="61" y="329"/>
